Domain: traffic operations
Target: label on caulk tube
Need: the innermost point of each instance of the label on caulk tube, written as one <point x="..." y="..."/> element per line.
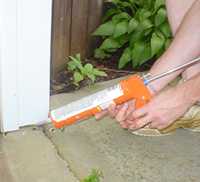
<point x="102" y="99"/>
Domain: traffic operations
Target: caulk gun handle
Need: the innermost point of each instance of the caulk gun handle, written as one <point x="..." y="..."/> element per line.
<point x="134" y="88"/>
<point x="140" y="103"/>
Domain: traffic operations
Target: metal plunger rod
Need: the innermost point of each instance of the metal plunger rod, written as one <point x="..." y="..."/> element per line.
<point x="194" y="61"/>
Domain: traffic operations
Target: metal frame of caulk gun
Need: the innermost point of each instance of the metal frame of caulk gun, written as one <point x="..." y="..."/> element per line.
<point x="149" y="78"/>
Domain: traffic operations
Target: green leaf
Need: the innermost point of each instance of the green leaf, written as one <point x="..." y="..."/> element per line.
<point x="137" y="53"/>
<point x="125" y="58"/>
<point x="127" y="5"/>
<point x="157" y="43"/>
<point x="132" y="1"/>
<point x="146" y="24"/>
<point x="100" y="54"/>
<point x="115" y="1"/>
<point x="122" y="16"/>
<point x="78" y="57"/>
<point x="76" y="62"/>
<point x="123" y="39"/>
<point x="95" y="176"/>
<point x="91" y="77"/>
<point x="146" y="54"/>
<point x="140" y="53"/>
<point x="88" y="67"/>
<point x="144" y="14"/>
<point x="160" y="34"/>
<point x="77" y="77"/>
<point x="136" y="35"/>
<point x="110" y="43"/>
<point x="160" y="52"/>
<point x="110" y="13"/>
<point x="160" y="17"/>
<point x="111" y="50"/>
<point x="148" y="32"/>
<point x="167" y="43"/>
<point x="158" y="4"/>
<point x="139" y="33"/>
<point x="120" y="29"/>
<point x="149" y="4"/>
<point x="99" y="73"/>
<point x="71" y="66"/>
<point x="90" y="72"/>
<point x="165" y="29"/>
<point x="133" y="23"/>
<point x="105" y="29"/>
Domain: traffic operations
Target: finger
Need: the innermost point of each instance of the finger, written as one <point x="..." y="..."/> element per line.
<point x="118" y="107"/>
<point x="153" y="125"/>
<point x="141" y="122"/>
<point x="121" y="115"/>
<point x="124" y="125"/>
<point x="112" y="110"/>
<point x="129" y="121"/>
<point x="162" y="126"/>
<point x="139" y="113"/>
<point x="101" y="114"/>
<point x="131" y="108"/>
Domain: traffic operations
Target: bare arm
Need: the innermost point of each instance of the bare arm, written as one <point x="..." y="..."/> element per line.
<point x="167" y="106"/>
<point x="185" y="46"/>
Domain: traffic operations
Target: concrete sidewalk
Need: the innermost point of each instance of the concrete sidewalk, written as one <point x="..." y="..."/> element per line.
<point x="29" y="156"/>
<point x="45" y="154"/>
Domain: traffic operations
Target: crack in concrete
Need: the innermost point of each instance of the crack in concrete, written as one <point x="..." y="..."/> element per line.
<point x="65" y="161"/>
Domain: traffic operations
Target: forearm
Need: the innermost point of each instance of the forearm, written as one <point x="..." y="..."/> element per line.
<point x="185" y="46"/>
<point x="176" y="11"/>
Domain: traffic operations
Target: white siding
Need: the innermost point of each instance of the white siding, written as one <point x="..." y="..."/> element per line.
<point x="24" y="62"/>
<point x="8" y="66"/>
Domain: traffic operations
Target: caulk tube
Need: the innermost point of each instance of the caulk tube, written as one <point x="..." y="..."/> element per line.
<point x="128" y="89"/>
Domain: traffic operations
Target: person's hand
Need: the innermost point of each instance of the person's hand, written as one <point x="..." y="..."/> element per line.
<point x="162" y="110"/>
<point x="119" y="112"/>
<point x="122" y="113"/>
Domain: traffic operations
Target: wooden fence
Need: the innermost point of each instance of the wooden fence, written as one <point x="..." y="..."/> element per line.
<point x="73" y="22"/>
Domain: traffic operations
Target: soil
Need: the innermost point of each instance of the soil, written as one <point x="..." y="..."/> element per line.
<point x="63" y="83"/>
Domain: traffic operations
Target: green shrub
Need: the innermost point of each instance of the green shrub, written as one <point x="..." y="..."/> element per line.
<point x="81" y="72"/>
<point x="139" y="27"/>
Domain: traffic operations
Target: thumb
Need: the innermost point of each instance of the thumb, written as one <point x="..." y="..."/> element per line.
<point x="139" y="113"/>
<point x="101" y="114"/>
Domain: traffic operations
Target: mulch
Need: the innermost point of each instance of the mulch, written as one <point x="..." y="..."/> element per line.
<point x="63" y="82"/>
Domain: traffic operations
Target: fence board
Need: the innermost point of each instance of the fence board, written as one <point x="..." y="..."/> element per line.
<point x="73" y="23"/>
<point x="61" y="27"/>
<point x="79" y="27"/>
<point x="94" y="19"/>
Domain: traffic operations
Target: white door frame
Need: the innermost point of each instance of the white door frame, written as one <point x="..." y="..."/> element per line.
<point x="25" y="41"/>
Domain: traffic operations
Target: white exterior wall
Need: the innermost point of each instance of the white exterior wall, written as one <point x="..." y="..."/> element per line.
<point x="25" y="39"/>
<point x="8" y="65"/>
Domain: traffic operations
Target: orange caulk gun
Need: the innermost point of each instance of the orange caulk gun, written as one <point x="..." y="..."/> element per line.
<point x="134" y="87"/>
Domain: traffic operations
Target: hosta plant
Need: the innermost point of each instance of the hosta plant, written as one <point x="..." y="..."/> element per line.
<point x="139" y="27"/>
<point x="82" y="72"/>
